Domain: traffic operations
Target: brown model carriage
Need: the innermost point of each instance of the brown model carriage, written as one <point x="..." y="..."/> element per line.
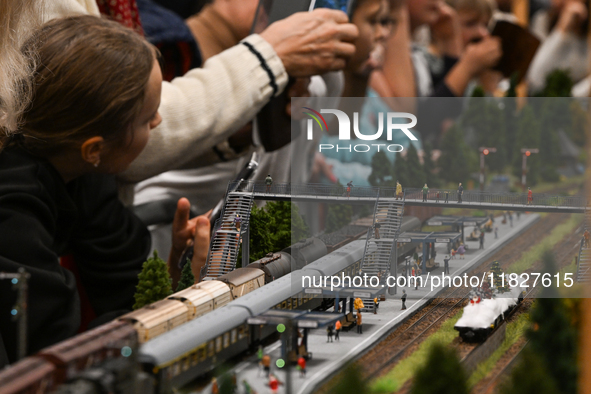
<point x="31" y="375"/>
<point x="90" y="349"/>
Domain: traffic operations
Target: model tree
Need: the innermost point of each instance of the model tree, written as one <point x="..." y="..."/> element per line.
<point x="154" y="283"/>
<point x="338" y="216"/>
<point x="558" y="84"/>
<point x="442" y="373"/>
<point x="457" y="159"/>
<point x="431" y="177"/>
<point x="415" y="172"/>
<point x="554" y="115"/>
<point x="529" y="376"/>
<point x="273" y="228"/>
<point x="498" y="278"/>
<point x="187" y="278"/>
<point x="553" y="336"/>
<point x="579" y="123"/>
<point x="400" y="170"/>
<point x="382" y="171"/>
<point x="352" y="382"/>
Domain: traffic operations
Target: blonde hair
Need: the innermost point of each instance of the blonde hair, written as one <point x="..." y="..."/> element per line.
<point x="18" y="19"/>
<point x="482" y="7"/>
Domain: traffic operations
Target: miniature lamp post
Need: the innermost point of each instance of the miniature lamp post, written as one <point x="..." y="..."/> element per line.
<point x="484" y="152"/>
<point x="526" y="152"/>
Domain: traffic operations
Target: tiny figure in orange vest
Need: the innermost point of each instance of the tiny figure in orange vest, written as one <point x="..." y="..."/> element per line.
<point x="338" y="327"/>
<point x="530" y="197"/>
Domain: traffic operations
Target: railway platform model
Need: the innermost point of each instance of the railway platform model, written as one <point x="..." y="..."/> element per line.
<point x="329" y="358"/>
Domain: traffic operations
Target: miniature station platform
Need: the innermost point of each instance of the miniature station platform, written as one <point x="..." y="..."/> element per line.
<point x="329" y="358"/>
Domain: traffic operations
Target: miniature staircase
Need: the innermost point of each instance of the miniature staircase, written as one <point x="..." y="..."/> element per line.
<point x="380" y="251"/>
<point x="584" y="261"/>
<point x="223" y="251"/>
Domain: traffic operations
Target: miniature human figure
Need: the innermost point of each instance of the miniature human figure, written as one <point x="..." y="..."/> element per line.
<point x="398" y="190"/>
<point x="481" y="240"/>
<point x="359" y="323"/>
<point x="586" y="236"/>
<point x="214" y="386"/>
<point x="425" y="192"/>
<point x="302" y="366"/>
<point x="446" y="265"/>
<point x="237" y="222"/>
<point x="268" y="182"/>
<point x="377" y="230"/>
<point x="504" y="217"/>
<point x="437" y="197"/>
<point x="266" y="362"/>
<point x="460" y="192"/>
<point x="511" y="219"/>
<point x="446" y="196"/>
<point x="530" y="197"/>
<point x="338" y="327"/>
<point x="247" y="388"/>
<point x="461" y="251"/>
<point x="274" y="383"/>
<point x="329" y="333"/>
<point x="453" y="254"/>
<point x="376" y="305"/>
<point x="260" y="355"/>
<point x="496" y="232"/>
<point x="349" y="186"/>
<point x="403" y="299"/>
<point x="518" y="215"/>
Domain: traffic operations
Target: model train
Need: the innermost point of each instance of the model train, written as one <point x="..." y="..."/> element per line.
<point x="196" y="310"/>
<point x="162" y="316"/>
<point x="482" y="316"/>
<point x="197" y="347"/>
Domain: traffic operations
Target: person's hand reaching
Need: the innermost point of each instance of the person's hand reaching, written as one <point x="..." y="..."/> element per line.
<point x="186" y="231"/>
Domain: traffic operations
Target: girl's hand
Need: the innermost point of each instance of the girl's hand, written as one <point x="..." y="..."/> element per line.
<point x="184" y="231"/>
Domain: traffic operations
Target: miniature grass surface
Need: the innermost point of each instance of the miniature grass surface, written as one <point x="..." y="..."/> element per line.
<point x="534" y="253"/>
<point x="406" y="368"/>
<point x="514" y="332"/>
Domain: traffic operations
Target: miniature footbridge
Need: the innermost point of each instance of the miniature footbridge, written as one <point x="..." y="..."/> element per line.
<point x="380" y="249"/>
<point x="414" y="197"/>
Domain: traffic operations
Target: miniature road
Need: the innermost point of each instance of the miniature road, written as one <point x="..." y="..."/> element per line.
<point x="328" y="358"/>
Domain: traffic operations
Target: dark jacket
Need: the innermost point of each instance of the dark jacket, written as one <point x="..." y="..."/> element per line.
<point x="41" y="219"/>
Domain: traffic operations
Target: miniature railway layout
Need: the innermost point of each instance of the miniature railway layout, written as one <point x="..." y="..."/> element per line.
<point x="403" y="340"/>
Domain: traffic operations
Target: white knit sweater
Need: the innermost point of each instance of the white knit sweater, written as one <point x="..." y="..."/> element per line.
<point x="202" y="108"/>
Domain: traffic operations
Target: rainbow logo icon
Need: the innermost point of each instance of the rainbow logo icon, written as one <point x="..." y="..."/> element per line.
<point x="315" y="116"/>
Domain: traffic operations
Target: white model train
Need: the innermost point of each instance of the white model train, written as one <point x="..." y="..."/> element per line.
<point x="482" y="316"/>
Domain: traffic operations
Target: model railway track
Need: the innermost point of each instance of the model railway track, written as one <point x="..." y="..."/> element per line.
<point x="373" y="360"/>
<point x="415" y="333"/>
